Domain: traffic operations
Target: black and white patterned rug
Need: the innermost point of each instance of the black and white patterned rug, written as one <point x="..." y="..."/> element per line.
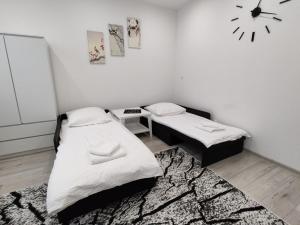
<point x="186" y="194"/>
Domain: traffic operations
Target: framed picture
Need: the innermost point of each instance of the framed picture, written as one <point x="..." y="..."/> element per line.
<point x="96" y="47"/>
<point x="116" y="39"/>
<point x="134" y="32"/>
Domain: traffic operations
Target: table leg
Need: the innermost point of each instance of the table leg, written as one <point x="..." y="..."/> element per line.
<point x="150" y="126"/>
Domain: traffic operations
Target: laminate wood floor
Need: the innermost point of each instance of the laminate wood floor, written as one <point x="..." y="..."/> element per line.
<point x="272" y="185"/>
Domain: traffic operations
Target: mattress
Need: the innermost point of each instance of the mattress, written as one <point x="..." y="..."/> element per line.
<point x="186" y="123"/>
<point x="74" y="178"/>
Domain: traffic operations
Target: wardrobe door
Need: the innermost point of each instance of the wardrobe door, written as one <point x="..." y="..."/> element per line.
<point x="9" y="114"/>
<point x="31" y="72"/>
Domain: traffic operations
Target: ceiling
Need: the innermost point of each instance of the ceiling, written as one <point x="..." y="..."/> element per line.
<point x="172" y="4"/>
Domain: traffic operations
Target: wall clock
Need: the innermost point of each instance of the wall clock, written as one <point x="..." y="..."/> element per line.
<point x="258" y="14"/>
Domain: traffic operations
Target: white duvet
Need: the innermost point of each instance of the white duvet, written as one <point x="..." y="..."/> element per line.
<point x="188" y="124"/>
<point x="74" y="178"/>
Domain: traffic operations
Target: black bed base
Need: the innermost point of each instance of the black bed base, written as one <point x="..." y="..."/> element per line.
<point x="103" y="198"/>
<point x="56" y="138"/>
<point x="209" y="155"/>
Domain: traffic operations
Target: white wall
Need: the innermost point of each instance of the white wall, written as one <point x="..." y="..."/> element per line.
<point x="254" y="86"/>
<point x="141" y="77"/>
<point x="251" y="85"/>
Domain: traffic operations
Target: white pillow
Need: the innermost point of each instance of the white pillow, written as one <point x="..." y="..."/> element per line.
<point x="87" y="116"/>
<point x="165" y="109"/>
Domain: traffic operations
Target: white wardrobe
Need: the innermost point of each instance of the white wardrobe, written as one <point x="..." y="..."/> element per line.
<point x="28" y="104"/>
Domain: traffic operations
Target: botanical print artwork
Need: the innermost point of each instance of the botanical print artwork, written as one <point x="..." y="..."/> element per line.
<point x="116" y="39"/>
<point x="134" y="32"/>
<point x="96" y="47"/>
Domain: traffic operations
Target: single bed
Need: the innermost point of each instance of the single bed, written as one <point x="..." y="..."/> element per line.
<point x="180" y="129"/>
<point x="76" y="187"/>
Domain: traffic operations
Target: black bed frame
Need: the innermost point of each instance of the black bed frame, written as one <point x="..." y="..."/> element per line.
<point x="102" y="198"/>
<point x="209" y="155"/>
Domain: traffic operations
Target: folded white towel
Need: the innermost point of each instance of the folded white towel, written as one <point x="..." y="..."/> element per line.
<point x="102" y="147"/>
<point x="96" y="159"/>
<point x="210" y="128"/>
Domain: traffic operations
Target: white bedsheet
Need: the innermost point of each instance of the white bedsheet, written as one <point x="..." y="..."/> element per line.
<point x="186" y="123"/>
<point x="74" y="178"/>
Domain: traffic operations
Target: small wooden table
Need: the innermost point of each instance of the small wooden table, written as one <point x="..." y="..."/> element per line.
<point x="134" y="127"/>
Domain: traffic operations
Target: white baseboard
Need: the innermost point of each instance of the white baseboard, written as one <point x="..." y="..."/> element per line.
<point x="30" y="152"/>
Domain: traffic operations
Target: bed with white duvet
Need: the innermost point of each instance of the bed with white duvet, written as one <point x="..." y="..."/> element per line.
<point x="204" y="130"/>
<point x="194" y="130"/>
<point x="73" y="177"/>
<point x="194" y="127"/>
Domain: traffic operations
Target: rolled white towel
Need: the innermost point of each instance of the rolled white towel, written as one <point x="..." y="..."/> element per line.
<point x="96" y="159"/>
<point x="210" y="128"/>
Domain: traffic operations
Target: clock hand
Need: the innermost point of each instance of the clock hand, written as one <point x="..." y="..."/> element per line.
<point x="258" y="3"/>
<point x="257" y="10"/>
<point x="268" y="13"/>
<point x="271" y="18"/>
<point x="265" y="12"/>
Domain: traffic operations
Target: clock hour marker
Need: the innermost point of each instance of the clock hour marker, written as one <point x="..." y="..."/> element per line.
<point x="253" y="36"/>
<point x="241" y="35"/>
<point x="236" y="30"/>
<point x="275" y="18"/>
<point x="239" y="6"/>
<point x="284" y="1"/>
<point x="234" y="19"/>
<point x="267" y="28"/>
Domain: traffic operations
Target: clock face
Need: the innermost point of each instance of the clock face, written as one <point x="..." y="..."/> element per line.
<point x="255" y="16"/>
